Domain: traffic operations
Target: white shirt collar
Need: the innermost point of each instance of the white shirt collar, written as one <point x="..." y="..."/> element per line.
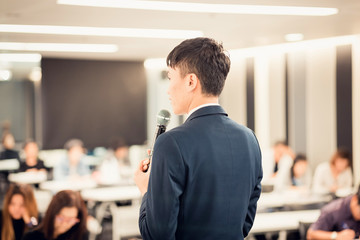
<point x="201" y="106"/>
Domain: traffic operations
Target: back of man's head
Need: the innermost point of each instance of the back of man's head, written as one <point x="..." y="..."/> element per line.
<point x="204" y="57"/>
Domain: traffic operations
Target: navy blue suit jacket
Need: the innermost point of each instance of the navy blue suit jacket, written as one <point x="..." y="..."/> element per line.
<point x="204" y="181"/>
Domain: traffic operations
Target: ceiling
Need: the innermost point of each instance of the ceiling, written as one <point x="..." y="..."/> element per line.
<point x="235" y="31"/>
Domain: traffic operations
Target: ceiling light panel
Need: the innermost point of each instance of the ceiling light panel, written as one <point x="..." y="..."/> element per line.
<point x="205" y="7"/>
<point x="97" y="31"/>
<point x="58" y="47"/>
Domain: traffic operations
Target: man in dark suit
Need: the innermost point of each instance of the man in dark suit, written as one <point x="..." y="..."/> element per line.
<point x="204" y="179"/>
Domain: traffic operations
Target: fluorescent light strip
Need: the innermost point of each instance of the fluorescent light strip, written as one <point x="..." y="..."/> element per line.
<point x="20" y="57"/>
<point x="204" y="7"/>
<point x="58" y="47"/>
<point x="295" y="46"/>
<point x="97" y="31"/>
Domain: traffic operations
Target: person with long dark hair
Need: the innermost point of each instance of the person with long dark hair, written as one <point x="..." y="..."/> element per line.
<point x="296" y="176"/>
<point x="19" y="212"/>
<point x="65" y="218"/>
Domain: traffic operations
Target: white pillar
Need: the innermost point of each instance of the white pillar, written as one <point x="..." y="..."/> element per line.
<point x="233" y="97"/>
<point x="321" y="104"/>
<point x="262" y="111"/>
<point x="356" y="108"/>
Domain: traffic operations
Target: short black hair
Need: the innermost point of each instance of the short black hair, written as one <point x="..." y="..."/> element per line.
<point x="117" y="143"/>
<point x="298" y="158"/>
<point x="204" y="57"/>
<point x="73" y="143"/>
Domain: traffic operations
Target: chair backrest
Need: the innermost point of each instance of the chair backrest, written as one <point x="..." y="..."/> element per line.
<point x="303" y="228"/>
<point x="9" y="164"/>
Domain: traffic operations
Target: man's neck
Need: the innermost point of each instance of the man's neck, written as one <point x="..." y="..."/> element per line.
<point x="202" y="101"/>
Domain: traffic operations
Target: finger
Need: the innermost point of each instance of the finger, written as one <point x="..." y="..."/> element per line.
<point x="141" y="165"/>
<point x="149" y="152"/>
<point x="145" y="167"/>
<point x="146" y="161"/>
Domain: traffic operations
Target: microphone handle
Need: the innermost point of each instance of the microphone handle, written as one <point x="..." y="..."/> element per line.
<point x="159" y="130"/>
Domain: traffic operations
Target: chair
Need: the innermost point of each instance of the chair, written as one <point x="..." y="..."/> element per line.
<point x="7" y="166"/>
<point x="125" y="221"/>
<point x="303" y="228"/>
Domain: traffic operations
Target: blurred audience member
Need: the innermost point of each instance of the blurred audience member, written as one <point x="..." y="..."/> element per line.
<point x="73" y="165"/>
<point x="19" y="212"/>
<point x="334" y="175"/>
<point x="116" y="165"/>
<point x="8" y="142"/>
<point x="279" y="156"/>
<point x="340" y="219"/>
<point x="297" y="176"/>
<point x="32" y="163"/>
<point x="65" y="218"/>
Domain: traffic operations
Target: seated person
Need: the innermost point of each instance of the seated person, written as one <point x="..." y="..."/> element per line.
<point x="116" y="165"/>
<point x="8" y="143"/>
<point x="32" y="163"/>
<point x="340" y="219"/>
<point x="19" y="213"/>
<point x="65" y="218"/>
<point x="295" y="177"/>
<point x="280" y="155"/>
<point x="334" y="175"/>
<point x="73" y="165"/>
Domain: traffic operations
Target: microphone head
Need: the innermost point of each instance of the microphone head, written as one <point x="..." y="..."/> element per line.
<point x="163" y="117"/>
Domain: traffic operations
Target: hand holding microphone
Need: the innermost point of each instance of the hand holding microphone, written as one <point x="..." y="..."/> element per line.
<point x="163" y="119"/>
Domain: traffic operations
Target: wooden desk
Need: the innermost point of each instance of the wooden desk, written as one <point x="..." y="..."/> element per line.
<point x="9" y="164"/>
<point x="28" y="177"/>
<point x="111" y="194"/>
<point x="290" y="198"/>
<point x="75" y="185"/>
<point x="282" y="221"/>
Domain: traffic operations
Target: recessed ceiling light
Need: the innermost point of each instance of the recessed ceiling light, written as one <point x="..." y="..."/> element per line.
<point x="35" y="74"/>
<point x="293" y="37"/>
<point x="97" y="31"/>
<point x="204" y="7"/>
<point x="5" y="75"/>
<point x="58" y="47"/>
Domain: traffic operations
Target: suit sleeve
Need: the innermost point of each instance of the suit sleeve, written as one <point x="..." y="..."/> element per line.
<point x="254" y="197"/>
<point x="250" y="216"/>
<point x="160" y="205"/>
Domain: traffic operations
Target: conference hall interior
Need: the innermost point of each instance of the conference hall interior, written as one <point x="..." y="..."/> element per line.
<point x="85" y="80"/>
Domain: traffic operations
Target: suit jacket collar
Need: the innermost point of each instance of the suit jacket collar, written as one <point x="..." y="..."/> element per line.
<point x="209" y="110"/>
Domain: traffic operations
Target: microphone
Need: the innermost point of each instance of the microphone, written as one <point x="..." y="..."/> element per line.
<point x="163" y="119"/>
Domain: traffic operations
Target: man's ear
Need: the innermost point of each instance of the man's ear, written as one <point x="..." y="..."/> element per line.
<point x="192" y="81"/>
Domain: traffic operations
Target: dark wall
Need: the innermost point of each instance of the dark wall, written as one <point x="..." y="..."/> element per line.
<point x="344" y="96"/>
<point x="17" y="108"/>
<point x="93" y="100"/>
<point x="250" y="93"/>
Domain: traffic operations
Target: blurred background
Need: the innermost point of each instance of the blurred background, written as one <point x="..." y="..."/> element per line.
<point x="95" y="71"/>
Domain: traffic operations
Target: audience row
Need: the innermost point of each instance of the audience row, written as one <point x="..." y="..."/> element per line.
<point x="285" y="170"/>
<point x="73" y="165"/>
<point x="65" y="218"/>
